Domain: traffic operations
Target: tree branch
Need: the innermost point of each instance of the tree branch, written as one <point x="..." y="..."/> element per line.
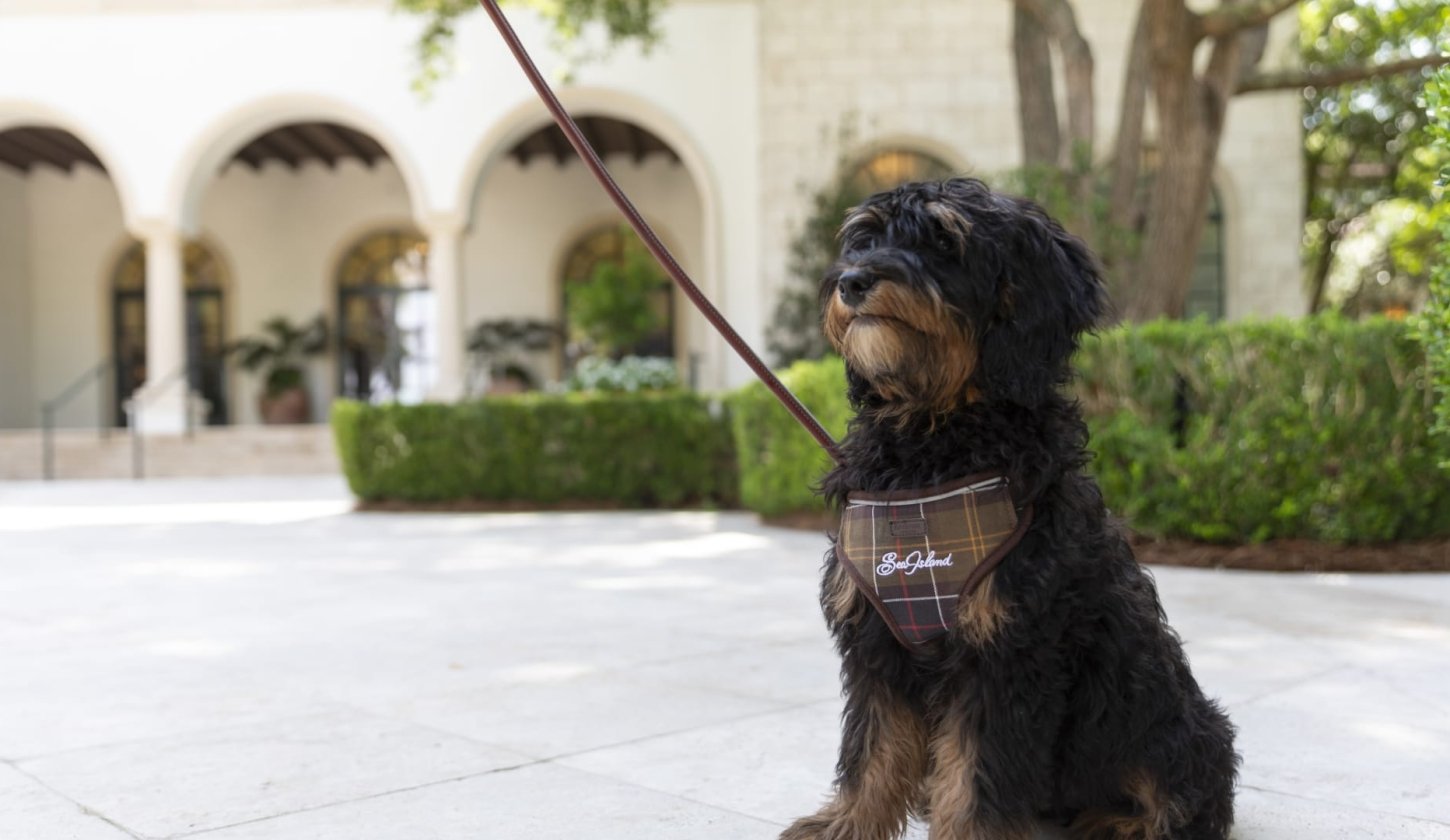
<point x="1296" y="79"/>
<point x="1245" y="14"/>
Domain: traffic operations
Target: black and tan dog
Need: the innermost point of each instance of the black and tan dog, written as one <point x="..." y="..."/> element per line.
<point x="1055" y="690"/>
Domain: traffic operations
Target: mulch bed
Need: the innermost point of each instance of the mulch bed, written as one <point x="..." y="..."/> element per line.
<point x="1298" y="555"/>
<point x="1273" y="556"/>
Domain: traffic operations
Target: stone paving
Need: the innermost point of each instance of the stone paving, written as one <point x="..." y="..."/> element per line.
<point x="249" y="660"/>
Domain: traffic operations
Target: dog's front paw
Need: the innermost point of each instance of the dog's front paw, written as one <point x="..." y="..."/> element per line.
<point x="817" y="827"/>
<point x="826" y="826"/>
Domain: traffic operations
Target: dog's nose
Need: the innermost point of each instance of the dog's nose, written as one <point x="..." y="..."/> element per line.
<point x="854" y="285"/>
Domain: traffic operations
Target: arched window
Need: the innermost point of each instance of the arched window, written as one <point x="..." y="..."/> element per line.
<point x="891" y="168"/>
<point x="205" y="327"/>
<point x="386" y="337"/>
<point x="1206" y="295"/>
<point x="583" y="260"/>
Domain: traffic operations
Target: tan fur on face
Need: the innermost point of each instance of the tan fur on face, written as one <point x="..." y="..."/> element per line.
<point x="1153" y="818"/>
<point x="908" y="345"/>
<point x="891" y="780"/>
<point x="858" y="217"/>
<point x="956" y="226"/>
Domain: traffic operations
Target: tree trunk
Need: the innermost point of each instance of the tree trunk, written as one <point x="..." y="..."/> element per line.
<point x="1191" y="119"/>
<point x="1036" y="92"/>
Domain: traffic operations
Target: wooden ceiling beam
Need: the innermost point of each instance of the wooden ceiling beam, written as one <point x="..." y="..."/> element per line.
<point x="323" y="137"/>
<point x="363" y="147"/>
<point x="38" y="148"/>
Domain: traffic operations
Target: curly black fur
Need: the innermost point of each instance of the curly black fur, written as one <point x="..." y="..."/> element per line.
<point x="1079" y="706"/>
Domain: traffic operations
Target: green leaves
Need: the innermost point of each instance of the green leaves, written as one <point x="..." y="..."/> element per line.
<point x="1235" y="432"/>
<point x="1315" y="428"/>
<point x="618" y="306"/>
<point x="1432" y="328"/>
<point x="279" y="351"/>
<point x="569" y="21"/>
<point x="658" y="449"/>
<point x="1367" y="142"/>
<point x="780" y="463"/>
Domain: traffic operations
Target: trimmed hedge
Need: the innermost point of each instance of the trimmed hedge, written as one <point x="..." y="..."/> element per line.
<point x="1315" y="428"/>
<point x="638" y="450"/>
<point x="780" y="463"/>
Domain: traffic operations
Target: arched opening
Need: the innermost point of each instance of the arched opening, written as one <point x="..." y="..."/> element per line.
<point x="385" y="329"/>
<point x="890" y="168"/>
<point x="206" y="284"/>
<point x="60" y="217"/>
<point x="291" y="204"/>
<point x="541" y="226"/>
<point x="1206" y="296"/>
<point x="589" y="260"/>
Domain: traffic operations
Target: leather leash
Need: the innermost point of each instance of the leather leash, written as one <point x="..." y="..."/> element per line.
<point x="651" y="241"/>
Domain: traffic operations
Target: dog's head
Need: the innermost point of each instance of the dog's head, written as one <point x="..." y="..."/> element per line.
<point x="947" y="293"/>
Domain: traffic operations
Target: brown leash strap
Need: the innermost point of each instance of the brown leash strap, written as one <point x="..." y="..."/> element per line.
<point x="651" y="241"/>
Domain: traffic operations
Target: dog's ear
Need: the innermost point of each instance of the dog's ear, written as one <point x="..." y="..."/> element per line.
<point x="1050" y="292"/>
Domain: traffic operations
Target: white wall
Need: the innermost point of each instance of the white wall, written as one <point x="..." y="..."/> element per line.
<point x="281" y="234"/>
<point x="17" y="403"/>
<point x="76" y="237"/>
<point x="526" y="218"/>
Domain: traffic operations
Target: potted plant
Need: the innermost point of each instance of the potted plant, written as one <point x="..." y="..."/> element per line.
<point x="618" y="305"/>
<point x="279" y="354"/>
<point x="498" y="346"/>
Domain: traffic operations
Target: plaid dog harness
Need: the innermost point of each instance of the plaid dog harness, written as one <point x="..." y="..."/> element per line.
<point x="916" y="553"/>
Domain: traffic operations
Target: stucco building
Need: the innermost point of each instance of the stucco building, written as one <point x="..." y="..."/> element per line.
<point x="173" y="173"/>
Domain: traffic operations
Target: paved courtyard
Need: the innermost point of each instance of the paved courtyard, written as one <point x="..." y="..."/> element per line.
<point x="249" y="660"/>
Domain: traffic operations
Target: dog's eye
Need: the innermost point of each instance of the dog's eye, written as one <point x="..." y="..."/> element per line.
<point x="945" y="243"/>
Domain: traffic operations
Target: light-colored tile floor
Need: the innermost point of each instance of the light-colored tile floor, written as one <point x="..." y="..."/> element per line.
<point x="249" y="660"/>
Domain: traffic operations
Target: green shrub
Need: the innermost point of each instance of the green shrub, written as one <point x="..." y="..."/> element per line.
<point x="780" y="463"/>
<point x="1434" y="324"/>
<point x="1317" y="428"/>
<point x="1313" y="428"/>
<point x="647" y="449"/>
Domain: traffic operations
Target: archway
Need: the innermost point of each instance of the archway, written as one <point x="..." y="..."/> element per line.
<point x="890" y="167"/>
<point x="288" y="202"/>
<point x="613" y="246"/>
<point x="60" y="216"/>
<point x="535" y="207"/>
<point x="385" y="334"/>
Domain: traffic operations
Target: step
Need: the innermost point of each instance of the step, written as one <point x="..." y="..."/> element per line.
<point x="210" y="452"/>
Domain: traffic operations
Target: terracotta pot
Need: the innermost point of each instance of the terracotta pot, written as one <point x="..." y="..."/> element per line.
<point x="289" y="406"/>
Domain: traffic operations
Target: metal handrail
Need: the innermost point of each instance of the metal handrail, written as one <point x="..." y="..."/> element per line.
<point x="138" y="402"/>
<point x="52" y="406"/>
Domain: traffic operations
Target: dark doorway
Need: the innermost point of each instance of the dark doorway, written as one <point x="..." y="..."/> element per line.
<point x="205" y="329"/>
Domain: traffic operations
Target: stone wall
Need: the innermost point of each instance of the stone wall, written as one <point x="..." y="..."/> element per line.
<point x="937" y="76"/>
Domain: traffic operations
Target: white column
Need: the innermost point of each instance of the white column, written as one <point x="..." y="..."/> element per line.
<point x="161" y="403"/>
<point x="445" y="276"/>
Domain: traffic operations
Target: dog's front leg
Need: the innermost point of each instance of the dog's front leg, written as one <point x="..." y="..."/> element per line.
<point x="880" y="772"/>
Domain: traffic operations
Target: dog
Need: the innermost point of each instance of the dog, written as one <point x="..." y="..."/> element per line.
<point x="1056" y="692"/>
